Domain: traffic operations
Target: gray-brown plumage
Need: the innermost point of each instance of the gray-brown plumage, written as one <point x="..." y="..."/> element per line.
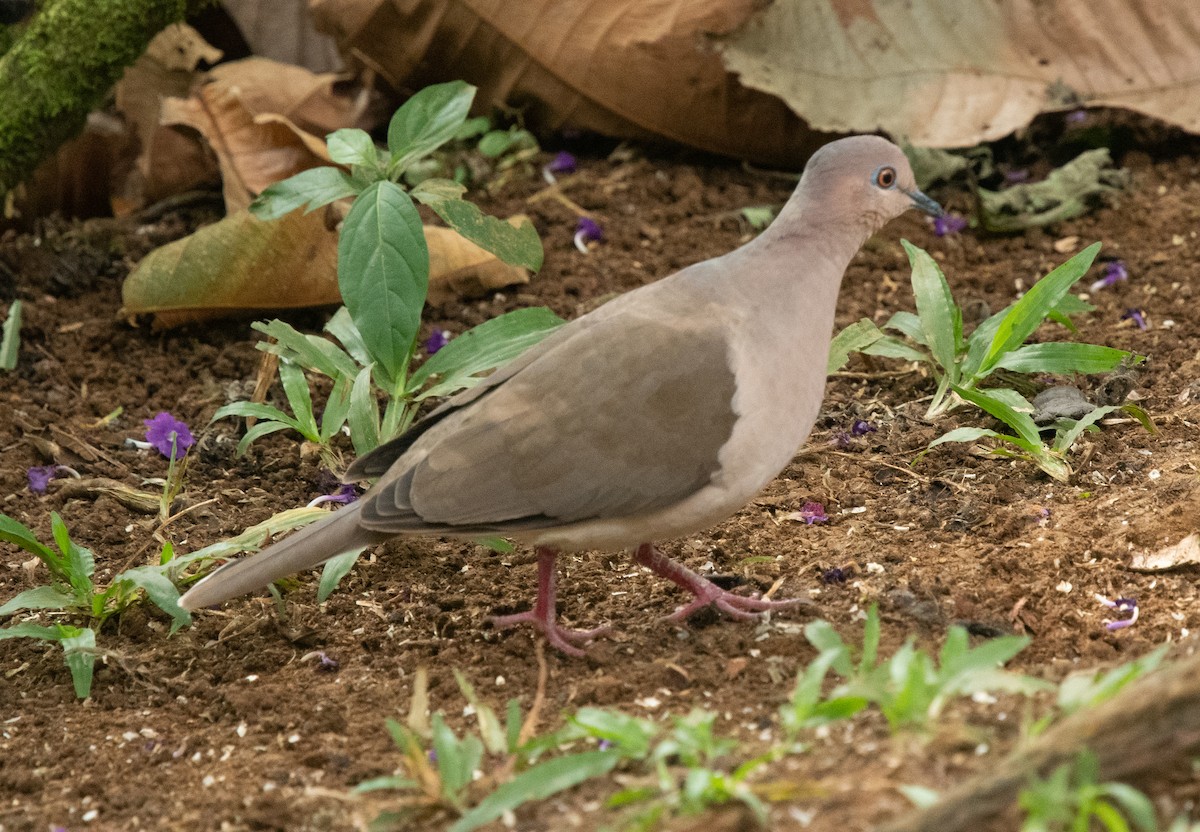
<point x="659" y="414"/>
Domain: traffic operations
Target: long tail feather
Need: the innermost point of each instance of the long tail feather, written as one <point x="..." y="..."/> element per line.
<point x="306" y="548"/>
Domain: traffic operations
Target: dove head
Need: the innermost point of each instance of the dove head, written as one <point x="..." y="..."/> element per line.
<point x="859" y="184"/>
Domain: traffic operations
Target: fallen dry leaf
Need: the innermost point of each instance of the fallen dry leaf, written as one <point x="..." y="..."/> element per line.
<point x="1184" y="553"/>
<point x="954" y="73"/>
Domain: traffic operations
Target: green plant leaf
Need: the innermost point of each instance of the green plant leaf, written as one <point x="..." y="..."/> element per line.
<point x="1062" y="358"/>
<point x="965" y="435"/>
<point x="456" y="759"/>
<point x="908" y="324"/>
<point x="538" y="783"/>
<point x="80" y="562"/>
<point x="941" y="319"/>
<point x="363" y="416"/>
<point x="351" y="146"/>
<point x="334" y="570"/>
<point x="480" y="349"/>
<point x="314" y="188"/>
<point x="1065" y="440"/>
<point x="1009" y="407"/>
<point x="295" y="388"/>
<point x="854" y="338"/>
<point x="254" y="410"/>
<point x="79" y="646"/>
<point x="10" y="340"/>
<point x="889" y="347"/>
<point x="19" y="535"/>
<point x="309" y="351"/>
<point x="518" y="246"/>
<point x="821" y="635"/>
<point x="263" y="429"/>
<point x="1134" y="804"/>
<point x="1024" y="316"/>
<point x="629" y="734"/>
<point x="426" y="121"/>
<point x="337" y="408"/>
<point x="383" y="273"/>
<point x="27" y="630"/>
<point x="342" y="327"/>
<point x="161" y="592"/>
<point x="437" y="190"/>
<point x="39" y="598"/>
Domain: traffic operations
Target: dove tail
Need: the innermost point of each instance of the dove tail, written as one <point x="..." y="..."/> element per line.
<point x="306" y="548"/>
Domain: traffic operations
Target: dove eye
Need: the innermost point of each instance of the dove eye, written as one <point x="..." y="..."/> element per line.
<point x="885" y="177"/>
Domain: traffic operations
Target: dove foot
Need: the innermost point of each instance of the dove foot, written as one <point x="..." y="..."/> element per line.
<point x="707" y="593"/>
<point x="543" y="616"/>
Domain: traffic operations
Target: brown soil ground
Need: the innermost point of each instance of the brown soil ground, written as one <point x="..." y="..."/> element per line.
<point x="225" y="725"/>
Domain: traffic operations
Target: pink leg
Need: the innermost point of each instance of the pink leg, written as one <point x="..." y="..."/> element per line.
<point x="707" y="593"/>
<point x="543" y="616"/>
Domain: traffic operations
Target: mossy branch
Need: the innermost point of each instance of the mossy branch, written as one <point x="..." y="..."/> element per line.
<point x="63" y="65"/>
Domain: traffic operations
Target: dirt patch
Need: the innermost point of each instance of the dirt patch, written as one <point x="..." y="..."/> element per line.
<point x="227" y="726"/>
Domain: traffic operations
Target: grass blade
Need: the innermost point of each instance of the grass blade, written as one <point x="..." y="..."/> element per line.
<point x="334" y="570"/>
<point x="1062" y="358"/>
<point x="10" y="341"/>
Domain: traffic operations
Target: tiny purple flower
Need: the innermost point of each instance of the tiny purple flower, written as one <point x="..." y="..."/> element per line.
<point x="1077" y="116"/>
<point x="40" y="476"/>
<point x="861" y="427"/>
<point x="586" y="231"/>
<point x="948" y="224"/>
<point x="1138" y="317"/>
<point x="1122" y="605"/>
<point x="1114" y="272"/>
<point x="439" y="339"/>
<point x="1016" y="176"/>
<point x="836" y="575"/>
<point x="165" y="431"/>
<point x="842" y="440"/>
<point x="326" y="664"/>
<point x="346" y="493"/>
<point x="813" y="512"/>
<point x="604" y="745"/>
<point x="563" y="162"/>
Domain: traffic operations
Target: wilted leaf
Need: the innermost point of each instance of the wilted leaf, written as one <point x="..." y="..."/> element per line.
<point x="253" y="151"/>
<point x="1067" y="192"/>
<point x="237" y="264"/>
<point x="954" y="73"/>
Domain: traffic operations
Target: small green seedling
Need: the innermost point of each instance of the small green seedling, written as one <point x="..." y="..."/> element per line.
<point x="1069" y="799"/>
<point x="910" y="688"/>
<point x="71" y="590"/>
<point x="934" y="335"/>
<point x="10" y="337"/>
<point x="1010" y="407"/>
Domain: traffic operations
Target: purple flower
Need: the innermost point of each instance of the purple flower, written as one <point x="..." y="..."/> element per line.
<point x="836" y="575"/>
<point x="1138" y="317"/>
<point x="948" y="224"/>
<point x="1114" y="272"/>
<point x="604" y="745"/>
<point x="40" y="476"/>
<point x="347" y="492"/>
<point x="563" y="162"/>
<point x="586" y="231"/>
<point x="439" y="339"/>
<point x="1123" y="605"/>
<point x="326" y="664"/>
<point x="168" y="435"/>
<point x="841" y="439"/>
<point x="1015" y="176"/>
<point x="813" y="513"/>
<point x="1077" y="116"/>
<point x="861" y="427"/>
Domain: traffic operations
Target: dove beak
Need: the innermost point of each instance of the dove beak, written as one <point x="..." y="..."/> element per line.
<point x="929" y="206"/>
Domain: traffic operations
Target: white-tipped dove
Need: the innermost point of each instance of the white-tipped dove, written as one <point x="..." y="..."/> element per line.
<point x="657" y="415"/>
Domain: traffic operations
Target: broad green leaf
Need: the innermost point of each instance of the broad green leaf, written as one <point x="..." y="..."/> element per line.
<point x="10" y="340"/>
<point x="79" y="647"/>
<point x="363" y="416"/>
<point x="1063" y="443"/>
<point x="518" y="246"/>
<point x="19" y="535"/>
<point x="437" y="189"/>
<point x="908" y="324"/>
<point x="161" y="592"/>
<point x="337" y="407"/>
<point x="889" y="347"/>
<point x="334" y="570"/>
<point x="309" y="351"/>
<point x="978" y="343"/>
<point x="313" y="188"/>
<point x="27" y="630"/>
<point x="39" y="598"/>
<point x="941" y="319"/>
<point x="491" y="344"/>
<point x="1062" y="358"/>
<point x="538" y="783"/>
<point x="254" y="410"/>
<point x="854" y="338"/>
<point x="351" y="146"/>
<point x="263" y="429"/>
<point x="295" y="388"/>
<point x="383" y="273"/>
<point x="1009" y="407"/>
<point x="427" y="121"/>
<point x="1024" y="316"/>
<point x="630" y="734"/>
<point x="342" y="327"/>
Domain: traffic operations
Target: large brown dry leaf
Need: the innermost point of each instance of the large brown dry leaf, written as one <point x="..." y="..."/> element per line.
<point x="253" y="151"/>
<point x="619" y="67"/>
<point x="236" y="265"/>
<point x="953" y="73"/>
